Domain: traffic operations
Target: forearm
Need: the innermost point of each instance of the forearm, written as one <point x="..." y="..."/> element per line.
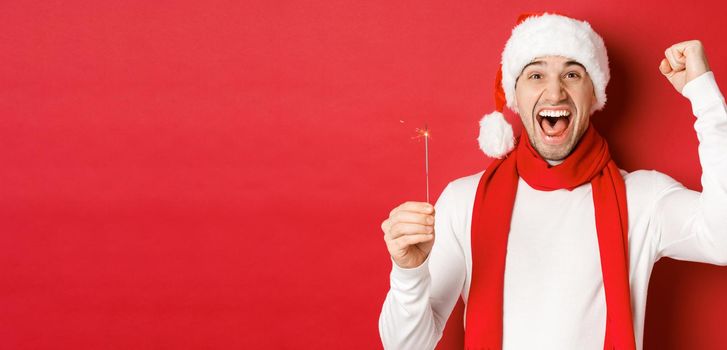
<point x="407" y="320"/>
<point x="420" y="299"/>
<point x="695" y="224"/>
<point x="711" y="128"/>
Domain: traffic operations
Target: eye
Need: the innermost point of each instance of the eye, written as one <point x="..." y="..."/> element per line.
<point x="572" y="75"/>
<point x="534" y="76"/>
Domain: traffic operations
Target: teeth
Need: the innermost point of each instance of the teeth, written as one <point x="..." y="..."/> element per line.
<point x="547" y="113"/>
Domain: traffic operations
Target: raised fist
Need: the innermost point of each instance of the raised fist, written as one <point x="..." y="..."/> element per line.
<point x="684" y="61"/>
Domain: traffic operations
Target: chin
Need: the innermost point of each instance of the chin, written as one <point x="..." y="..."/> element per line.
<point x="556" y="153"/>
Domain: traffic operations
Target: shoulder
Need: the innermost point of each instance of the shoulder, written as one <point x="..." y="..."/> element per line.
<point x="651" y="180"/>
<point x="463" y="187"/>
<point x="644" y="189"/>
<point x="459" y="194"/>
<point x="466" y="183"/>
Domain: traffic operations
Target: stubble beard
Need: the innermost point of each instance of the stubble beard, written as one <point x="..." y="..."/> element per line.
<point x="556" y="153"/>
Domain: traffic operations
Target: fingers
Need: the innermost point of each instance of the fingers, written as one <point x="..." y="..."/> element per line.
<point x="419" y="207"/>
<point x="413" y="217"/>
<point x="404" y="228"/>
<point x="409" y="218"/>
<point x="664" y="67"/>
<point x="683" y="62"/>
<point x="675" y="58"/>
<point x="412" y="223"/>
<point x="676" y="54"/>
<point x="409" y="233"/>
<point x="405" y="241"/>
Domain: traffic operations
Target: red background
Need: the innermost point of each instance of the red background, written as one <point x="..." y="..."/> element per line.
<point x="213" y="174"/>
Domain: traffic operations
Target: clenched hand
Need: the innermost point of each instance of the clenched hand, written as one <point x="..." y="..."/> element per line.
<point x="684" y="61"/>
<point x="409" y="233"/>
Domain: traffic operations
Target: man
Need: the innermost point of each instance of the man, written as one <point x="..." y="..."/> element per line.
<point x="551" y="247"/>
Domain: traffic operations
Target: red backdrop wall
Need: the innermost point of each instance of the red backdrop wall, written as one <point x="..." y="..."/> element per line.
<point x="183" y="174"/>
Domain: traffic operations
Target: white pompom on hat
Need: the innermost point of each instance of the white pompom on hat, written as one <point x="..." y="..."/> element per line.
<point x="538" y="35"/>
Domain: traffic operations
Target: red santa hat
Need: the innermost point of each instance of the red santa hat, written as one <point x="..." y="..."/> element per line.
<point x="538" y="35"/>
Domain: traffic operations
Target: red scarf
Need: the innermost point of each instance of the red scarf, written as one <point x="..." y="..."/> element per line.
<point x="590" y="162"/>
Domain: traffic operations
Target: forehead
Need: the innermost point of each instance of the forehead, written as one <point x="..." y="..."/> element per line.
<point x="554" y="62"/>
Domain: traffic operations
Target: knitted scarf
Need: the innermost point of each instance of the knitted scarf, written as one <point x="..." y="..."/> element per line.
<point x="591" y="162"/>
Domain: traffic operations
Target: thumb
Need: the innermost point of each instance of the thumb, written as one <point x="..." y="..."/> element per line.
<point x="665" y="67"/>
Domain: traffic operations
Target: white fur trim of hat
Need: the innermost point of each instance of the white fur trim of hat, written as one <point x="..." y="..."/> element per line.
<point x="537" y="36"/>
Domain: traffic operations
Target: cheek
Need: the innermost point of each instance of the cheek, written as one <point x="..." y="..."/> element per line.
<point x="586" y="94"/>
<point x="525" y="121"/>
<point x="525" y="101"/>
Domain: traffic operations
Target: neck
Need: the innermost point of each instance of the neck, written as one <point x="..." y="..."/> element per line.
<point x="554" y="162"/>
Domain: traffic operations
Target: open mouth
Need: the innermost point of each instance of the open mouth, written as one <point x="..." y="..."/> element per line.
<point x="554" y="122"/>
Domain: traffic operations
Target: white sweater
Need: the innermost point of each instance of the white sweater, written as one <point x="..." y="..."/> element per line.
<point x="553" y="291"/>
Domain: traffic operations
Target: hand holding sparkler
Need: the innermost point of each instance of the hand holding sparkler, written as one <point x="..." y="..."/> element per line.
<point x="409" y="230"/>
<point x="409" y="233"/>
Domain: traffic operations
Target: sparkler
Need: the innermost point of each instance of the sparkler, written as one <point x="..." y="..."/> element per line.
<point x="425" y="134"/>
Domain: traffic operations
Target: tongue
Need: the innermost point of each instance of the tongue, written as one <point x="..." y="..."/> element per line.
<point x="554" y="129"/>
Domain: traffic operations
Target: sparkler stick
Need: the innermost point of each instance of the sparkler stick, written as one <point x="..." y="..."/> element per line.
<point x="425" y="134"/>
<point x="426" y="157"/>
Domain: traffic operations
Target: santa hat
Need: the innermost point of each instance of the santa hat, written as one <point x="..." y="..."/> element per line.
<point x="538" y="35"/>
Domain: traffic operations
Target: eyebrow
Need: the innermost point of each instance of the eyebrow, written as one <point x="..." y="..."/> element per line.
<point x="541" y="63"/>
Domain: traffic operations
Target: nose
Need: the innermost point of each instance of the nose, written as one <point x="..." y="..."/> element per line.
<point x="554" y="92"/>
